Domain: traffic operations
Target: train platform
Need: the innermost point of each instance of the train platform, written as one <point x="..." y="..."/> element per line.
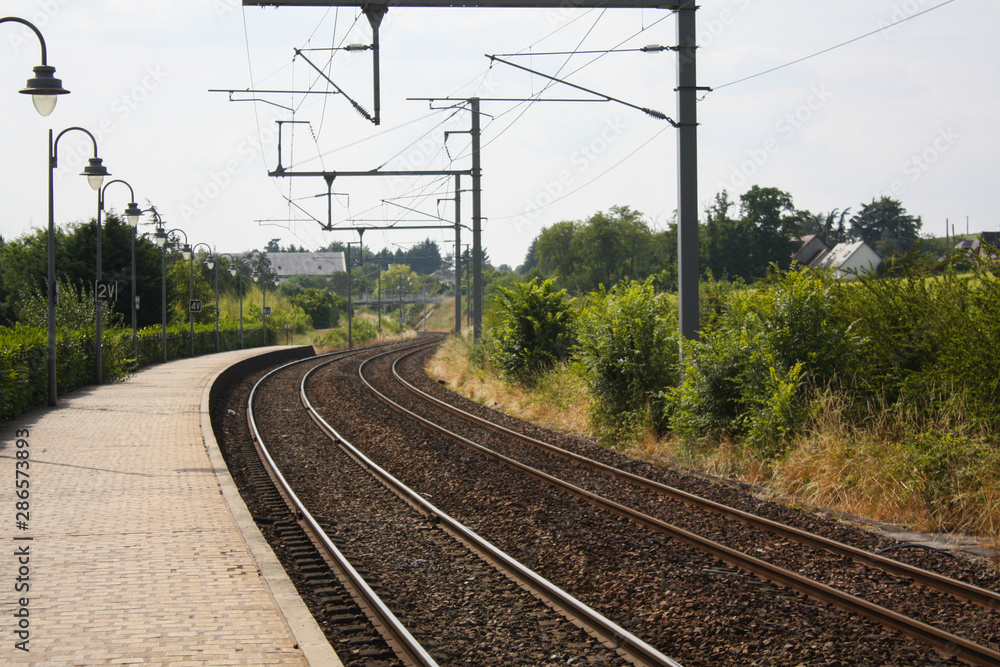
<point x="132" y="545"/>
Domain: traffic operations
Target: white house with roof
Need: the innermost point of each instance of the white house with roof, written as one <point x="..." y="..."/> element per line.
<point x="288" y="264"/>
<point x="846" y="259"/>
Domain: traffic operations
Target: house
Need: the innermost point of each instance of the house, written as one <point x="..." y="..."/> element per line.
<point x="989" y="239"/>
<point x="811" y="248"/>
<point x="288" y="264"/>
<point x="970" y="246"/>
<point x="846" y="259"/>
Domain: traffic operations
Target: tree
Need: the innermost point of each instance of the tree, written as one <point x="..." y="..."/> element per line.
<point x="321" y="305"/>
<point x="768" y="219"/>
<point x="886" y="226"/>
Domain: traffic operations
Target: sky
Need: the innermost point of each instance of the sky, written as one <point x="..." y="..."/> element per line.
<point x="910" y="112"/>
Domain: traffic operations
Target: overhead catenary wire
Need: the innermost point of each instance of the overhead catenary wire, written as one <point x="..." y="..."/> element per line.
<point x="834" y="47"/>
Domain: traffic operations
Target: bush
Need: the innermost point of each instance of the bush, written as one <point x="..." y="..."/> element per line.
<point x="535" y="329"/>
<point x="628" y="345"/>
<point x="749" y="375"/>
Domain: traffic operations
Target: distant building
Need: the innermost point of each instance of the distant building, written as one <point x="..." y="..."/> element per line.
<point x="811" y="248"/>
<point x="288" y="264"/>
<point x="992" y="239"/>
<point x="848" y="258"/>
<point x="970" y="246"/>
<point x="844" y="259"/>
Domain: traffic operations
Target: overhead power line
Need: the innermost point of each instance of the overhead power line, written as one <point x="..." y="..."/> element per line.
<point x="836" y="46"/>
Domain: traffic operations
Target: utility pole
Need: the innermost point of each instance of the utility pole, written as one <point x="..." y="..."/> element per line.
<point x="477" y="221"/>
<point x="458" y="255"/>
<point x="687" y="174"/>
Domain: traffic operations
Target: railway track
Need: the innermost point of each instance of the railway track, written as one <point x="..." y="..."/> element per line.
<point x="944" y="641"/>
<point x="419" y="533"/>
<point x="656" y="586"/>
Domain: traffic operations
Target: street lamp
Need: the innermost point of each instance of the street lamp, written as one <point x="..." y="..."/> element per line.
<point x="262" y="279"/>
<point x="235" y="268"/>
<point x="44" y="88"/>
<point x="161" y="237"/>
<point x="213" y="264"/>
<point x="191" y="287"/>
<point x="132" y="214"/>
<point x="95" y="172"/>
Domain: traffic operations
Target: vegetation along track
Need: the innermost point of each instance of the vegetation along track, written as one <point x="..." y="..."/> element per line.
<point x="834" y="573"/>
<point x="460" y="609"/>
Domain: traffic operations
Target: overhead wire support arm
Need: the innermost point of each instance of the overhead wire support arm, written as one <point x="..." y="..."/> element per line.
<point x="357" y="107"/>
<point x="607" y="98"/>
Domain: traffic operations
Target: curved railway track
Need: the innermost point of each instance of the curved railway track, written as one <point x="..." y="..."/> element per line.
<point x="982" y="628"/>
<point x="685" y="574"/>
<point x="395" y="631"/>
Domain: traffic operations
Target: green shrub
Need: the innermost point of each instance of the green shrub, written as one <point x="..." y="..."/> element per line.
<point x="628" y="345"/>
<point x="535" y="329"/>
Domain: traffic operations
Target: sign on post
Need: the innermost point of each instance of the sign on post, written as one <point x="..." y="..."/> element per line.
<point x="195" y="306"/>
<point x="106" y="290"/>
<point x="267" y="310"/>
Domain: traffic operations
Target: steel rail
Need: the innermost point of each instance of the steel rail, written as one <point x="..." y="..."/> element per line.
<point x="392" y="629"/>
<point x="959" y="589"/>
<point x="607" y="631"/>
<point x="942" y="641"/>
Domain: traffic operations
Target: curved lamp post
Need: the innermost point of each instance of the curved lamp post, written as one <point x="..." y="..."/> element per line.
<point x="44" y="88"/>
<point x="95" y="172"/>
<point x="160" y="237"/>
<point x="191" y="286"/>
<point x="213" y="265"/>
<point x="257" y="277"/>
<point x="132" y="214"/>
<point x="235" y="268"/>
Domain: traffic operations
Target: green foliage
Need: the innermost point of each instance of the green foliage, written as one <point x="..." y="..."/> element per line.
<point x="535" y="329"/>
<point x="603" y="250"/>
<point x="321" y="305"/>
<point x="886" y="226"/>
<point x="629" y="349"/>
<point x="750" y="373"/>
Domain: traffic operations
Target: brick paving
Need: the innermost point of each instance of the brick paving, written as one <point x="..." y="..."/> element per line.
<point x="135" y="556"/>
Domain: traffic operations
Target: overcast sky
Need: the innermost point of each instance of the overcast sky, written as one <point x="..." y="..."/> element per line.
<point x="911" y="112"/>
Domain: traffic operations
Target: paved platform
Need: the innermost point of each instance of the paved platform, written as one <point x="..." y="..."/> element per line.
<point x="133" y="550"/>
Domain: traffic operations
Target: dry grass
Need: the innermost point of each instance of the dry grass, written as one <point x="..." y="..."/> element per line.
<point x="559" y="400"/>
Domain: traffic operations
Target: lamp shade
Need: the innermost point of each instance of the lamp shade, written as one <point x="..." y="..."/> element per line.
<point x="256" y="276"/>
<point x="210" y="262"/>
<point x="233" y="270"/>
<point x="44" y="89"/>
<point x="186" y="251"/>
<point x="160" y="237"/>
<point x="132" y="215"/>
<point x="95" y="172"/>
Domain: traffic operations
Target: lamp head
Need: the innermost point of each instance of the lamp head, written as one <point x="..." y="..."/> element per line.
<point x="44" y="88"/>
<point x="95" y="172"/>
<point x="233" y="270"/>
<point x="210" y="262"/>
<point x="160" y="237"/>
<point x="256" y="276"/>
<point x="132" y="215"/>
<point x="186" y="251"/>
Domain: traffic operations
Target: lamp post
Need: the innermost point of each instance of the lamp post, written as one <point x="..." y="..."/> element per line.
<point x="234" y="269"/>
<point x="191" y="287"/>
<point x="132" y="214"/>
<point x="262" y="278"/>
<point x="44" y="88"/>
<point x="95" y="172"/>
<point x="160" y="237"/>
<point x="350" y="313"/>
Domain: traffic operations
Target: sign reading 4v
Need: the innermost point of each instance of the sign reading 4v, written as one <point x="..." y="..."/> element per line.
<point x="195" y="306"/>
<point x="106" y="290"/>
